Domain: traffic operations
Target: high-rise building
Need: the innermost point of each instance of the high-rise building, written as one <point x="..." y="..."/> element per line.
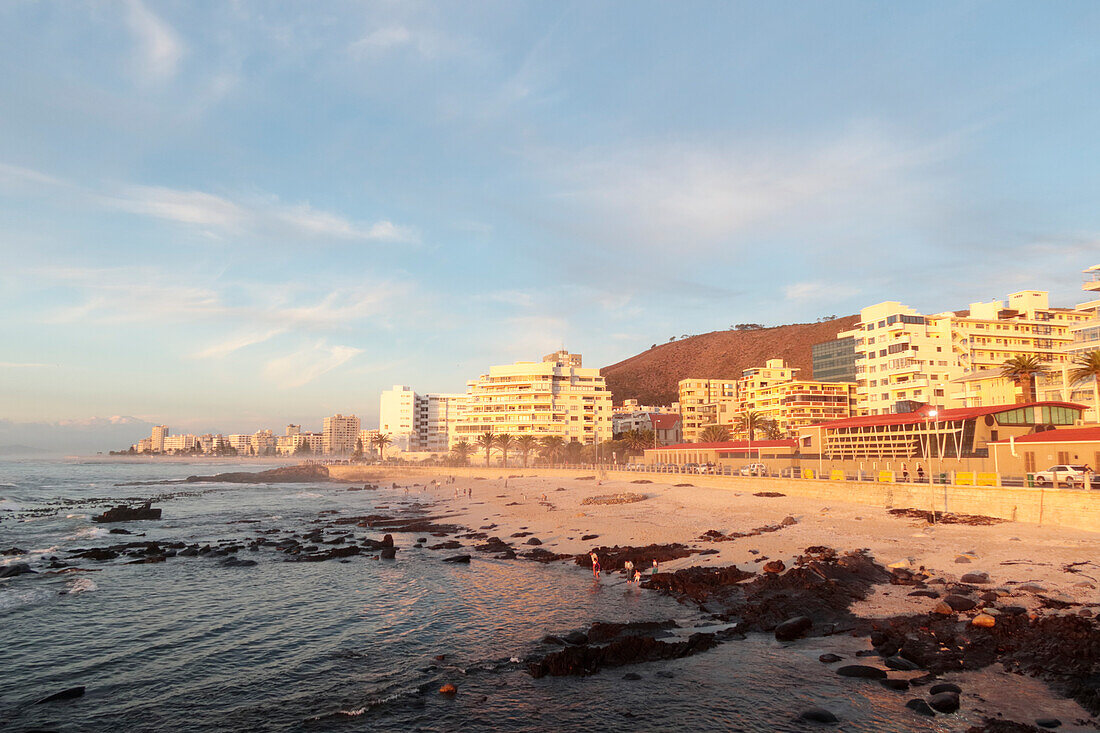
<point x="178" y="443"/>
<point x="340" y="433"/>
<point x="160" y="432"/>
<point x="263" y="443"/>
<point x="705" y="402"/>
<point x="775" y="392"/>
<point x="555" y="397"/>
<point x="437" y="416"/>
<point x="397" y="416"/>
<point x="835" y="361"/>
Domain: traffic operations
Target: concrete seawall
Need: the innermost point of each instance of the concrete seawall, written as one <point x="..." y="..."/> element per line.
<point x="1076" y="508"/>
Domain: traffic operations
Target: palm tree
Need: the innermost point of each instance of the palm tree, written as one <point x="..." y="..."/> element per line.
<point x="381" y="441"/>
<point x="573" y="451"/>
<point x="463" y="449"/>
<point x="486" y="440"/>
<point x="638" y="440"/>
<point x="1086" y="368"/>
<point x="748" y="422"/>
<point x="714" y="434"/>
<point x="526" y="444"/>
<point x="1022" y="369"/>
<point x="552" y="446"/>
<point x="504" y="441"/>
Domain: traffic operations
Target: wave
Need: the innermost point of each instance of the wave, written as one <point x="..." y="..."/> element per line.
<point x="7" y="505"/>
<point x="86" y="533"/>
<point x="308" y="495"/>
<point x="23" y="597"/>
<point x="76" y="516"/>
<point x="81" y="585"/>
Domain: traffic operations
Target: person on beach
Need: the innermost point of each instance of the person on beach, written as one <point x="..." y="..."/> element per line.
<point x="628" y="566"/>
<point x="595" y="565"/>
<point x="638" y="576"/>
<point x="920" y="473"/>
<point x="905" y="473"/>
<point x="654" y="567"/>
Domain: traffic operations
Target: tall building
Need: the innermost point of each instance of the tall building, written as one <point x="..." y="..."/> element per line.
<point x="835" y="361"/>
<point x="905" y="358"/>
<point x="397" y="416"/>
<point x="160" y="432"/>
<point x="263" y="443"/>
<point x="178" y="443"/>
<point x="339" y="434"/>
<point x="775" y="392"/>
<point x="705" y="402"/>
<point x="550" y="398"/>
<point x="1085" y="338"/>
<point x="437" y="416"/>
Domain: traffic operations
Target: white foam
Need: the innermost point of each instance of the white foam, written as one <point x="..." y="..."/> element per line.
<point x="76" y="516"/>
<point x="12" y="599"/>
<point x="85" y="533"/>
<point x="7" y="505"/>
<point x="81" y="585"/>
<point x="308" y="495"/>
<point x="353" y="713"/>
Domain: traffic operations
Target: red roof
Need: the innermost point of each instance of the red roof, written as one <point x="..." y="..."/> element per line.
<point x="663" y="421"/>
<point x="922" y="413"/>
<point x="731" y="445"/>
<point x="1089" y="433"/>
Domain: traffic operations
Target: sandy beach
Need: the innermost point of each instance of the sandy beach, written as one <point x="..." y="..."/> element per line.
<point x="1053" y="563"/>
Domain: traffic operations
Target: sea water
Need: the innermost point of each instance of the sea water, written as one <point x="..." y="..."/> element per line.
<point x="190" y="645"/>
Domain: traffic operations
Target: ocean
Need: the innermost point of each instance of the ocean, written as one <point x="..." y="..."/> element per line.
<point x="363" y="644"/>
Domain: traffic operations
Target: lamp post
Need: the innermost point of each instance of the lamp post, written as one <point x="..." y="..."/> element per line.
<point x="931" y="473"/>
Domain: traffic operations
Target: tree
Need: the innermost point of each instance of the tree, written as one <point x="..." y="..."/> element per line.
<point x="526" y="444"/>
<point x="380" y="441"/>
<point x="1023" y="369"/>
<point x="714" y="434"/>
<point x="486" y="440"/>
<point x="504" y="442"/>
<point x="357" y="455"/>
<point x="302" y="449"/>
<point x="749" y="422"/>
<point x="462" y="451"/>
<point x="552" y="446"/>
<point x="771" y="430"/>
<point x="573" y="451"/>
<point x="638" y="440"/>
<point x="1086" y="368"/>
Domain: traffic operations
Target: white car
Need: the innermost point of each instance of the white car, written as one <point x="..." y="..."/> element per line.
<point x="753" y="469"/>
<point x="1071" y="476"/>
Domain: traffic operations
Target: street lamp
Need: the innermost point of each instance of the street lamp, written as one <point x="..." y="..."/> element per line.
<point x="928" y="455"/>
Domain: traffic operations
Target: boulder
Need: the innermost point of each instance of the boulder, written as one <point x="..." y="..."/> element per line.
<point x="534" y="541"/>
<point x="818" y="715"/>
<point x="458" y="558"/>
<point x="984" y="620"/>
<point x="1048" y="722"/>
<point x="19" y="568"/>
<point x="13" y="551"/>
<point x="123" y="513"/>
<point x="861" y="671"/>
<point x="829" y="658"/>
<point x="775" y="566"/>
<point x="960" y="603"/>
<point x="389" y="553"/>
<point x="944" y="702"/>
<point x="793" y="628"/>
<point x="901" y="664"/>
<point x="576" y="637"/>
<point x="920" y="706"/>
<point x="975" y="578"/>
<point x="943" y="609"/>
<point x="898" y="685"/>
<point x="232" y="562"/>
<point x="962" y="559"/>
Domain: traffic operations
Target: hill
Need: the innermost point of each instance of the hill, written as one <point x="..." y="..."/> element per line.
<point x="651" y="376"/>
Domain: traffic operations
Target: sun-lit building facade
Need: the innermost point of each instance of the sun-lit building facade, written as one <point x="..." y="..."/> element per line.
<point x="705" y="402"/>
<point x="775" y="393"/>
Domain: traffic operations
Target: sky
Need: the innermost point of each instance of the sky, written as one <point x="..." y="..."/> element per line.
<point x="226" y="216"/>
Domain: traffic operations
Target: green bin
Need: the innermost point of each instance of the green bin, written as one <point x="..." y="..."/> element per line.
<point x="1031" y="480"/>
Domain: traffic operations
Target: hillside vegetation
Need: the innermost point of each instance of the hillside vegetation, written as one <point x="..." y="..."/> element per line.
<point x="652" y="375"/>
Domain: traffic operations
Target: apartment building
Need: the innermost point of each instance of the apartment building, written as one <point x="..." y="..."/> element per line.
<point x="775" y="392"/>
<point x="437" y="417"/>
<point x="705" y="402"/>
<point x="339" y="433"/>
<point x="835" y="361"/>
<point x="178" y="443"/>
<point x="160" y="432"/>
<point x="262" y="443"/>
<point x="397" y="417"/>
<point x="548" y="398"/>
<point x="1085" y="338"/>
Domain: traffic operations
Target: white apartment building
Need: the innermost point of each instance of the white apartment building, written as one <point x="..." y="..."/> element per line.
<point x="437" y="416"/>
<point x="240" y="443"/>
<point x="178" y="443"/>
<point x="548" y="398"/>
<point x="160" y="432"/>
<point x="339" y="434"/>
<point x="263" y="443"/>
<point x="397" y="416"/>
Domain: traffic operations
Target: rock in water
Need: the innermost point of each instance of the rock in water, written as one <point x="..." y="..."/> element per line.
<point x="818" y="715"/>
<point x="576" y="637"/>
<point x="944" y="687"/>
<point x="123" y="513"/>
<point x="793" y="628"/>
<point x="829" y="658"/>
<point x="19" y="568"/>
<point x="944" y="702"/>
<point x="389" y="553"/>
<point x="862" y="671"/>
<point x="895" y="684"/>
<point x="70" y="694"/>
<point x="1048" y="722"/>
<point x="920" y="706"/>
<point x="458" y="558"/>
<point x="448" y="689"/>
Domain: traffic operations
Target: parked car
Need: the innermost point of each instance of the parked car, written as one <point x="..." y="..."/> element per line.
<point x="1071" y="476"/>
<point x="753" y="469"/>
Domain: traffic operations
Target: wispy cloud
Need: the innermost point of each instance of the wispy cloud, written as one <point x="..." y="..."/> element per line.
<point x="397" y="36"/>
<point x="236" y="343"/>
<point x="817" y="291"/>
<point x="160" y="48"/>
<point x="307" y="364"/>
<point x="21" y="365"/>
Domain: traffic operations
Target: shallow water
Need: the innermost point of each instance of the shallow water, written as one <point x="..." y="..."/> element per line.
<point x="283" y="646"/>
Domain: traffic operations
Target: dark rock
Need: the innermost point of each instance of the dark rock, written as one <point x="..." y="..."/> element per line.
<point x="98" y="553"/>
<point x="989" y="596"/>
<point x="632" y="676"/>
<point x="123" y="513"/>
<point x="389" y="553"/>
<point x="1012" y="610"/>
<point x="119" y="530"/>
<point x="19" y="568"/>
<point x="960" y="603"/>
<point x="534" y="541"/>
<point x="387" y="541"/>
<point x="901" y="664"/>
<point x="602" y="631"/>
<point x="336" y="552"/>
<point x="666" y="674"/>
<point x="1048" y="722"/>
<point x="944" y="687"/>
<point x="70" y="694"/>
<point x="13" y="551"/>
<point x="920" y="706"/>
<point x="576" y="637"/>
<point x="775" y="566"/>
<point x="550" y="639"/>
<point x="861" y="671"/>
<point x="925" y="593"/>
<point x="307" y="473"/>
<point x="232" y="562"/>
<point x="867" y="653"/>
<point x="588" y="659"/>
<point x="818" y="715"/>
<point x="975" y="578"/>
<point x="458" y="558"/>
<point x="829" y="658"/>
<point x="768" y="494"/>
<point x="448" y="545"/>
<point x="588" y="537"/>
<point x="944" y="702"/>
<point x="793" y="628"/>
<point x="898" y="685"/>
<point x="421" y="539"/>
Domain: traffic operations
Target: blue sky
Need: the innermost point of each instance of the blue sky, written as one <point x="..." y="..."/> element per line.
<point x="231" y="215"/>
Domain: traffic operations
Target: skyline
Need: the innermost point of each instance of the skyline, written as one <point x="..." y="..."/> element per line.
<point x="274" y="221"/>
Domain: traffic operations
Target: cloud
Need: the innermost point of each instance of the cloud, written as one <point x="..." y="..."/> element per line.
<point x="13" y="175"/>
<point x="236" y="343"/>
<point x="21" y="365"/>
<point x="824" y="292"/>
<point x="307" y="364"/>
<point x="160" y="48"/>
<point x="391" y="38"/>
<point x="184" y="207"/>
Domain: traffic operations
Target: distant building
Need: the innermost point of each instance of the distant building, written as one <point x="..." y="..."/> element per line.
<point x="835" y="361"/>
<point x="774" y="392"/>
<point x="437" y="417"/>
<point x="564" y="358"/>
<point x="178" y="443"/>
<point x="160" y="432"/>
<point x="339" y="434"/>
<point x="263" y="443"/>
<point x="705" y="402"/>
<point x="397" y="416"/>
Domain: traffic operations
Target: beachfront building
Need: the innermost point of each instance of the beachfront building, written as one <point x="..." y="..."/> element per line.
<point x="262" y="443"/>
<point x="774" y="392"/>
<point x="1085" y="338"/>
<point x="547" y="398"/>
<point x="835" y="361"/>
<point x="905" y="358"/>
<point x="983" y="387"/>
<point x="730" y="454"/>
<point x="397" y="417"/>
<point x="339" y="433"/>
<point x="665" y="426"/>
<point x="1040" y="451"/>
<point x="160" y="432"/>
<point x="178" y="444"/>
<point x="437" y="417"/>
<point x="705" y="402"/>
